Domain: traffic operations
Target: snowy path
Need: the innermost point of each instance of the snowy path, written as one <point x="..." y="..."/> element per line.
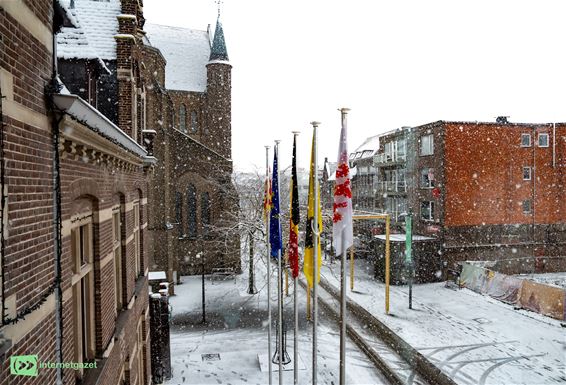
<point x="237" y="331"/>
<point x="472" y="338"/>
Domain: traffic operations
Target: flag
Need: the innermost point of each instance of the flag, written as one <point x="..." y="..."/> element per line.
<point x="267" y="197"/>
<point x="308" y="267"/>
<point x="294" y="217"/>
<point x="274" y="223"/>
<point x="342" y="227"/>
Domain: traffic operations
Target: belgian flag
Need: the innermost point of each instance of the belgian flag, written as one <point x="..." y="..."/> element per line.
<point x="295" y="216"/>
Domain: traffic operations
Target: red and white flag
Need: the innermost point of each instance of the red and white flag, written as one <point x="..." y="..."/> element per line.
<point x="342" y="228"/>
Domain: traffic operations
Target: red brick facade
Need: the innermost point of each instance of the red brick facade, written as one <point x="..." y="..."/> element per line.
<point x="96" y="175"/>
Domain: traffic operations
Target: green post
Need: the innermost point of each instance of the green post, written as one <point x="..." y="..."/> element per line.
<point x="408" y="253"/>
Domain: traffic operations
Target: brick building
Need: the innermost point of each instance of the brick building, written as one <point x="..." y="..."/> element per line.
<point x="195" y="209"/>
<point x="478" y="191"/>
<point x="74" y="250"/>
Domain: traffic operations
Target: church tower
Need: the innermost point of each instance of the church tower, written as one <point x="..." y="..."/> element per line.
<point x="219" y="95"/>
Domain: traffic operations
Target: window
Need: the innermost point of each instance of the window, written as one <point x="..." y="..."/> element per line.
<point x="526" y="173"/>
<point x="183" y="118"/>
<point x="543" y="139"/>
<point x="117" y="248"/>
<point x="179" y="212"/>
<point x="140" y="352"/>
<point x="526" y="206"/>
<point x="525" y="140"/>
<point x="427" y="178"/>
<point x="83" y="291"/>
<point x="194" y="121"/>
<point x="136" y="231"/>
<point x="427" y="211"/>
<point x="205" y="212"/>
<point x="191" y="211"/>
<point x="427" y="145"/>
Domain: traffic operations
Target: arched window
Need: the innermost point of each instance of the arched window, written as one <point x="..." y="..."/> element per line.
<point x="179" y="212"/>
<point x="183" y="118"/>
<point x="191" y="211"/>
<point x="194" y="121"/>
<point x="205" y="212"/>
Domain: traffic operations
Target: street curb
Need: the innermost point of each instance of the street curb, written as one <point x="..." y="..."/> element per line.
<point x="420" y="363"/>
<point x="380" y="364"/>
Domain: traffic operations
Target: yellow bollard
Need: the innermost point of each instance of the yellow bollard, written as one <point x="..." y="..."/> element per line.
<point x="352" y="268"/>
<point x="387" y="265"/>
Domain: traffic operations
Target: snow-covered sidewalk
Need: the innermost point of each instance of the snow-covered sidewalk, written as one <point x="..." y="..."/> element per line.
<point x="474" y="339"/>
<point x="225" y="350"/>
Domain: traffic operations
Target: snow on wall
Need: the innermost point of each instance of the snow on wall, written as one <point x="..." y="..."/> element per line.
<point x="186" y="51"/>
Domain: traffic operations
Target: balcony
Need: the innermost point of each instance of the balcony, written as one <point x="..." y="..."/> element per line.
<point x="391" y="186"/>
<point x="386" y="158"/>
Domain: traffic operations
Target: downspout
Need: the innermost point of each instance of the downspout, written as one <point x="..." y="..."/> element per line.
<point x="57" y="244"/>
<point x="534" y="178"/>
<point x="3" y="205"/>
<point x="553" y="145"/>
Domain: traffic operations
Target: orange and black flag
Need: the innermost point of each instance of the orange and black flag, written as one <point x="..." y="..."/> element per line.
<point x="267" y="198"/>
<point x="294" y="217"/>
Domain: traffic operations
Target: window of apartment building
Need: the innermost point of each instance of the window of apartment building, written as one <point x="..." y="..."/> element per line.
<point x="192" y="211"/>
<point x="543" y="139"/>
<point x="427" y="178"/>
<point x="427" y="211"/>
<point x="83" y="290"/>
<point x="401" y="150"/>
<point x="117" y="251"/>
<point x="427" y="145"/>
<point x="140" y="352"/>
<point x="183" y="118"/>
<point x="526" y="204"/>
<point x="525" y="140"/>
<point x="205" y="212"/>
<point x="136" y="233"/>
<point x="526" y="173"/>
<point x="194" y="121"/>
<point x="179" y="212"/>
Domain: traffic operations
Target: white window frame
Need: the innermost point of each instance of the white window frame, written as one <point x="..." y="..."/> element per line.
<point x="430" y="218"/>
<point x="117" y="251"/>
<point x="523" y="136"/>
<point x="429" y="149"/>
<point x="136" y="233"/>
<point x="527" y="169"/>
<point x="430" y="182"/>
<point x="543" y="135"/>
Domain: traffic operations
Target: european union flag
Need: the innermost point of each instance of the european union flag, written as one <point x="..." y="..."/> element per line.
<point x="274" y="222"/>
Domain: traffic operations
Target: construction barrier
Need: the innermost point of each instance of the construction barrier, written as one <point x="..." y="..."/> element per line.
<point x="540" y="298"/>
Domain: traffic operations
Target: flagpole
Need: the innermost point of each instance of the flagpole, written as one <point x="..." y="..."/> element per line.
<point x="315" y="256"/>
<point x="344" y="112"/>
<point x="279" y="293"/>
<point x="268" y="246"/>
<point x="295" y="310"/>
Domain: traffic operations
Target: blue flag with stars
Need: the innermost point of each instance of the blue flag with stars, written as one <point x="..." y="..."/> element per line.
<point x="274" y="222"/>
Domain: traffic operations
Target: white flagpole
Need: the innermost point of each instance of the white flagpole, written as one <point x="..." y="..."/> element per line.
<point x="295" y="310"/>
<point x="268" y="247"/>
<point x="279" y="288"/>
<point x="315" y="257"/>
<point x="343" y="111"/>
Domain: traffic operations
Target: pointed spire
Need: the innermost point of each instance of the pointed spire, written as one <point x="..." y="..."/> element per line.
<point x="218" y="50"/>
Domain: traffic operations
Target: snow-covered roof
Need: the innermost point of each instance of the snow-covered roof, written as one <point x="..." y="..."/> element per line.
<point x="96" y="25"/>
<point x="366" y="149"/>
<point x="186" y="51"/>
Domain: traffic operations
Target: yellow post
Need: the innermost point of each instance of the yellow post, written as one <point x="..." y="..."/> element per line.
<point x="352" y="268"/>
<point x="308" y="303"/>
<point x="387" y="265"/>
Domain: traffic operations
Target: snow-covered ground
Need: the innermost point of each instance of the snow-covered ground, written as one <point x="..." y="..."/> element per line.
<point x="472" y="338"/>
<point x="236" y="329"/>
<point x="552" y="279"/>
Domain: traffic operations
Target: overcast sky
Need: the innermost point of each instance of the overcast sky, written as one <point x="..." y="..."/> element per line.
<point x="394" y="63"/>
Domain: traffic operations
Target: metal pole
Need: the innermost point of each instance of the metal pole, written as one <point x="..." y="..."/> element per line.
<point x="343" y="311"/>
<point x="344" y="259"/>
<point x="408" y="253"/>
<point x="296" y="335"/>
<point x="279" y="293"/>
<point x="315" y="257"/>
<point x="203" y="297"/>
<point x="387" y="265"/>
<point x="270" y="367"/>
